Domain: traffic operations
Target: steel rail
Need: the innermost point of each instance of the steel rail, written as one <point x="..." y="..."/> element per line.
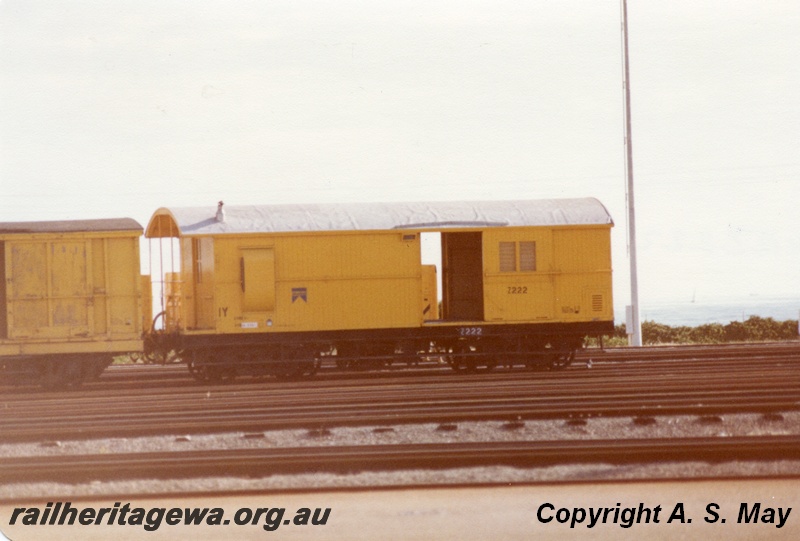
<point x="171" y="375"/>
<point x="646" y="371"/>
<point x="310" y="407"/>
<point x="468" y="385"/>
<point x="252" y="462"/>
<point x="610" y="389"/>
<point x="265" y="417"/>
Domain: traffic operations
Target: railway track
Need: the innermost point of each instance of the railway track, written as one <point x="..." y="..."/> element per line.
<point x="349" y="459"/>
<point x="176" y="375"/>
<point x="743" y="379"/>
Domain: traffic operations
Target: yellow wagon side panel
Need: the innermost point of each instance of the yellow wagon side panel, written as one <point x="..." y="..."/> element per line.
<point x="350" y="281"/>
<point x="198" y="279"/>
<point x="519" y="284"/>
<point x="548" y="274"/>
<point x="204" y="285"/>
<point x="320" y="282"/>
<point x="123" y="289"/>
<point x="79" y="288"/>
<point x="100" y="285"/>
<point x="582" y="250"/>
<point x="3" y="293"/>
<point x="583" y="259"/>
<point x="146" y="309"/>
<point x="186" y="318"/>
<point x="258" y="280"/>
<point x="69" y="287"/>
<point x="50" y="289"/>
<point x="27" y="278"/>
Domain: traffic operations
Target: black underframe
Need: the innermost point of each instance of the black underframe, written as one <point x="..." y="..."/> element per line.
<point x="433" y="332"/>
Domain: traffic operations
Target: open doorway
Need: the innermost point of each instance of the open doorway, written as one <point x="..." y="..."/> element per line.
<point x="458" y="258"/>
<point x="431" y="259"/>
<point x="462" y="276"/>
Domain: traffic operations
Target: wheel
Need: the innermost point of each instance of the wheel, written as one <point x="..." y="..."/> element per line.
<point x="461" y="360"/>
<point x="209" y="373"/>
<point x="536" y="362"/>
<point x="344" y="364"/>
<point x="347" y="355"/>
<point x="197" y="372"/>
<point x="94" y="368"/>
<point x="363" y="356"/>
<point x="205" y="367"/>
<point x="298" y="362"/>
<point x="460" y="365"/>
<point x="559" y="361"/>
<point x="298" y="370"/>
<point x="61" y="374"/>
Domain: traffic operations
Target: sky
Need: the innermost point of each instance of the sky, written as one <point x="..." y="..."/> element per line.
<point x="112" y="109"/>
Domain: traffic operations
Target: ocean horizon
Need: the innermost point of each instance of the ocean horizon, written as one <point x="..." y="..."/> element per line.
<point x="724" y="311"/>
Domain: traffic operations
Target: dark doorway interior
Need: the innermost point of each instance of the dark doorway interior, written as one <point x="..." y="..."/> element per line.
<point x="462" y="276"/>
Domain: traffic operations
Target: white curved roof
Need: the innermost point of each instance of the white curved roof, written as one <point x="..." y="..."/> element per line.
<point x="167" y="222"/>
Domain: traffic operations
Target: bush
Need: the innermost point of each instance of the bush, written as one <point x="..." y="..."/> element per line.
<point x="712" y="333"/>
<point x="657" y="333"/>
<point x="754" y="329"/>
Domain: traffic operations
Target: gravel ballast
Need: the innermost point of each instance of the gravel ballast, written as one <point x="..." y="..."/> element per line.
<point x="573" y="429"/>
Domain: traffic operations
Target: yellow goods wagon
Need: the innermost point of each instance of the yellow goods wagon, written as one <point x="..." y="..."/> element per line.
<point x="275" y="289"/>
<point x="70" y="298"/>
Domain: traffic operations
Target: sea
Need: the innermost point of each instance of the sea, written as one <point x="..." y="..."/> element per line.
<point x="694" y="313"/>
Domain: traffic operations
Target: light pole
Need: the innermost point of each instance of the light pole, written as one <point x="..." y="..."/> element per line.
<point x="634" y="325"/>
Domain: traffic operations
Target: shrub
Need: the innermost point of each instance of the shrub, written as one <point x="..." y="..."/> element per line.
<point x="711" y="333"/>
<point x="754" y="329"/>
